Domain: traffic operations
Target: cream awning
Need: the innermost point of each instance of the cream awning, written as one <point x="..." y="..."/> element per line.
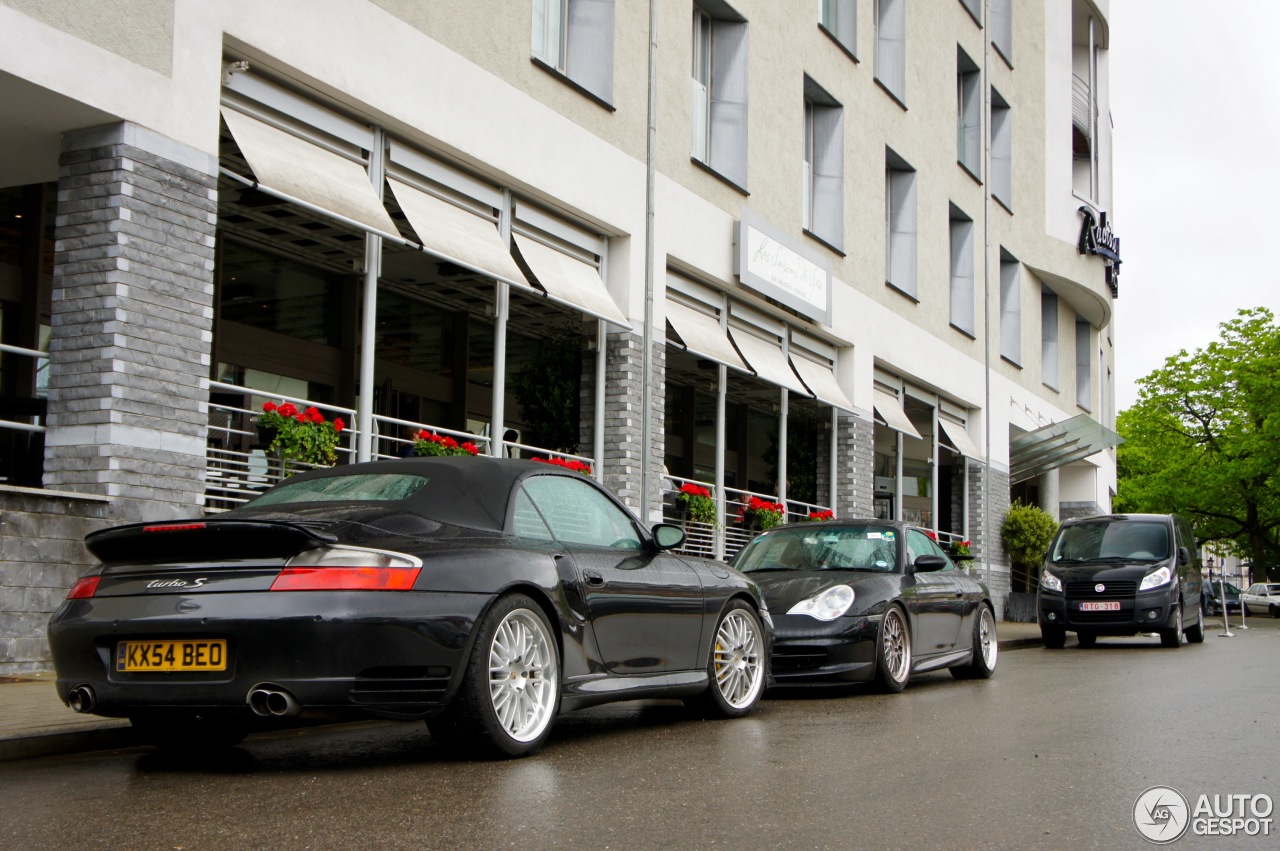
<point x="570" y="281"/>
<point x="454" y="234"/>
<point x="702" y="335"/>
<point x="822" y="382"/>
<point x="960" y="437"/>
<point x="890" y="410"/>
<point x="767" y="361"/>
<point x="296" y="168"/>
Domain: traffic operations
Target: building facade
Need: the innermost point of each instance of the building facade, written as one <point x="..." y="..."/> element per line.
<point x="845" y="255"/>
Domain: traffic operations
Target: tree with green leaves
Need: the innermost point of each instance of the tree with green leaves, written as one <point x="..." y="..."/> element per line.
<point x="1203" y="440"/>
<point x="1026" y="534"/>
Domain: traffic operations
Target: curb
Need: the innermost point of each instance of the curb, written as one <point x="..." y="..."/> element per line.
<point x="100" y="738"/>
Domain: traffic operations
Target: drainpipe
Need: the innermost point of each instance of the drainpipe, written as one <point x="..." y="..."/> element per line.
<point x="988" y="534"/>
<point x="369" y="317"/>
<point x="646" y="411"/>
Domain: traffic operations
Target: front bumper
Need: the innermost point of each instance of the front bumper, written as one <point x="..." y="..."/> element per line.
<point x="1147" y="611"/>
<point x="807" y="651"/>
<point x="373" y="653"/>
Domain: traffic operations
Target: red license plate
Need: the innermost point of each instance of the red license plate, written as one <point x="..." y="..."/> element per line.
<point x="1113" y="606"/>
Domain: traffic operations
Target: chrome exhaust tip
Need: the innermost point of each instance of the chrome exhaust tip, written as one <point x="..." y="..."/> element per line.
<point x="81" y="699"/>
<point x="268" y="700"/>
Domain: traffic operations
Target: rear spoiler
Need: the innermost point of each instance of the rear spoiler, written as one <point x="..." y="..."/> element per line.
<point x="212" y="540"/>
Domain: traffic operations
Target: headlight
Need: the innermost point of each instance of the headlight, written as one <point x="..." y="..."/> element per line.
<point x="827" y="605"/>
<point x="1049" y="582"/>
<point x="1155" y="580"/>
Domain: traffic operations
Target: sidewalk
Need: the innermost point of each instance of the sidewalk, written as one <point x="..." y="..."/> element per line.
<point x="35" y="723"/>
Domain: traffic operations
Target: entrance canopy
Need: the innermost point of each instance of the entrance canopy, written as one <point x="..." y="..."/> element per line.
<point x="1057" y="445"/>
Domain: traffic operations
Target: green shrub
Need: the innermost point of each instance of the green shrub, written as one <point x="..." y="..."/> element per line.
<point x="1026" y="533"/>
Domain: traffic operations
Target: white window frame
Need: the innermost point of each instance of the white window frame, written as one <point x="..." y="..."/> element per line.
<point x="1001" y="150"/>
<point x="962" y="292"/>
<point x="1084" y="364"/>
<point x="719" y="84"/>
<point x="575" y="38"/>
<point x="1010" y="309"/>
<point x="968" y="115"/>
<point x="900" y="225"/>
<point x="891" y="47"/>
<point x="839" y="19"/>
<point x="1049" y="371"/>
<point x="823" y="171"/>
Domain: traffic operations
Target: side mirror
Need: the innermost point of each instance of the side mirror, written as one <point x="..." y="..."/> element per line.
<point x="667" y="536"/>
<point x="1184" y="555"/>
<point x="929" y="563"/>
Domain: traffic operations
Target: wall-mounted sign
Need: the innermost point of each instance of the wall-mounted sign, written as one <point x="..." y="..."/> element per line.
<point x="784" y="269"/>
<point x="1096" y="238"/>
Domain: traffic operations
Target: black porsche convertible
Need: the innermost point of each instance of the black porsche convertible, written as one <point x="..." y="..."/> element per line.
<point x="868" y="600"/>
<point x="482" y="595"/>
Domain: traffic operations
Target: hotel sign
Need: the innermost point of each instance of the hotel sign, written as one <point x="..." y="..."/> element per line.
<point x="1096" y="238"/>
<point x="784" y="269"/>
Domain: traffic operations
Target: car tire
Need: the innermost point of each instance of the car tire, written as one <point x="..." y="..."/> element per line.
<point x="1054" y="637"/>
<point x="1195" y="632"/>
<point x="1086" y="639"/>
<point x="986" y="648"/>
<point x="1172" y="636"/>
<point x="510" y="691"/>
<point x="735" y="665"/>
<point x="893" y="652"/>
<point x="183" y="732"/>
<point x="1274" y="610"/>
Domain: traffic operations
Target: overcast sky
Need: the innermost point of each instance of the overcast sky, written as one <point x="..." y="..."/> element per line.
<point x="1195" y="100"/>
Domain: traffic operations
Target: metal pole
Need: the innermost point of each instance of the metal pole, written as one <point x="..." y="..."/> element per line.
<point x="369" y="313"/>
<point x="988" y="535"/>
<point x="598" y="430"/>
<point x="1226" y="617"/>
<point x="501" y="313"/>
<point x="646" y="393"/>
<point x="722" y="499"/>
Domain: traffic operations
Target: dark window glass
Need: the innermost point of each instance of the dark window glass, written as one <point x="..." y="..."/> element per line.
<point x="274" y="293"/>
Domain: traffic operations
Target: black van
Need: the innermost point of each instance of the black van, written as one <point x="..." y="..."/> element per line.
<point x="1121" y="574"/>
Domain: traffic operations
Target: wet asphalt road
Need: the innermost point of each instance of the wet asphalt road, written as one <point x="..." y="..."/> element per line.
<point x="1051" y="753"/>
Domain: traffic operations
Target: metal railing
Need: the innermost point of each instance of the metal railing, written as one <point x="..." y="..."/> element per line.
<point x="702" y="539"/>
<point x="35" y="425"/>
<point x="238" y="468"/>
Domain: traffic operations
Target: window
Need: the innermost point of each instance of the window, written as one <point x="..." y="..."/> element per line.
<point x="891" y="47"/>
<point x="575" y="38"/>
<point x="1010" y="309"/>
<point x="1049" y="337"/>
<point x="719" y="82"/>
<point x="1002" y="28"/>
<point x="839" y="19"/>
<point x="961" y="271"/>
<point x="900" y="224"/>
<point x="823" y="165"/>
<point x="1084" y="364"/>
<point x="1001" y="150"/>
<point x="577" y="513"/>
<point x="974" y="8"/>
<point x="969" y="115"/>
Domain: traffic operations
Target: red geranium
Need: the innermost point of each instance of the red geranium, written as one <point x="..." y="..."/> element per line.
<point x="568" y="463"/>
<point x="441" y="445"/>
<point x="300" y="436"/>
<point x="822" y="515"/>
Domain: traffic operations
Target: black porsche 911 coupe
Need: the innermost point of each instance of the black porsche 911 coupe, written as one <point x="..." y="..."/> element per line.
<point x="868" y="601"/>
<point x="483" y="595"/>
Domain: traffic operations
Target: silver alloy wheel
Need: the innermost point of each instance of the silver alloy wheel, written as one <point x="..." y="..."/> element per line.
<point x="987" y="643"/>
<point x="738" y="670"/>
<point x="897" y="646"/>
<point x="523" y="675"/>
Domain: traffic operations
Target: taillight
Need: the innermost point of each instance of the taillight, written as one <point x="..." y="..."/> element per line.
<point x="173" y="527"/>
<point x="348" y="569"/>
<point x="346" y="579"/>
<point x="85" y="587"/>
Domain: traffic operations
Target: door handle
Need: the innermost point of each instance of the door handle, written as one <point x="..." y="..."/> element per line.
<point x="593" y="578"/>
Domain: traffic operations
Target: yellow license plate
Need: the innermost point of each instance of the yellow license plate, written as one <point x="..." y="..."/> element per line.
<point x="205" y="655"/>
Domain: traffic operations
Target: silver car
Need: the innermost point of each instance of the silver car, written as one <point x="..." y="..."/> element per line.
<point x="1262" y="597"/>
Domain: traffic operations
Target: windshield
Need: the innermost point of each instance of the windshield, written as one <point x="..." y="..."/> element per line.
<point x="1216" y="586"/>
<point x="839" y="548"/>
<point x="1104" y="540"/>
<point x="369" y="487"/>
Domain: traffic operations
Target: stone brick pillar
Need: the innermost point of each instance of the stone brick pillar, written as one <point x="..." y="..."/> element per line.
<point x="855" y="487"/>
<point x="624" y="406"/>
<point x="987" y="547"/>
<point x="132" y="320"/>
